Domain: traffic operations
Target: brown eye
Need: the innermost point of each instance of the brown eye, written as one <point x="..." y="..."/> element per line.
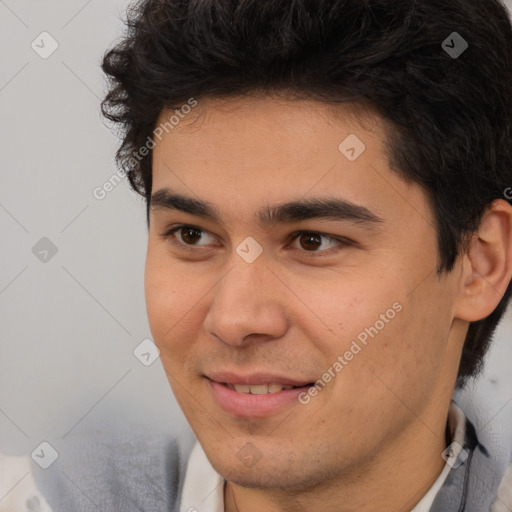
<point x="190" y="235"/>
<point x="316" y="244"/>
<point x="310" y="241"/>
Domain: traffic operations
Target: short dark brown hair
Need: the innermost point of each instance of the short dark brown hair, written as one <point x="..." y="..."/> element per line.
<point x="451" y="114"/>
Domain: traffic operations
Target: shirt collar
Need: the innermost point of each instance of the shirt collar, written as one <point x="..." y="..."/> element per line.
<point x="457" y="434"/>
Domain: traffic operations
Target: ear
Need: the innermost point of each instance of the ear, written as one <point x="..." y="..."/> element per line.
<point x="486" y="264"/>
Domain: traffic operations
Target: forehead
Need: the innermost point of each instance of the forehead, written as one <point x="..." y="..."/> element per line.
<point x="255" y="136"/>
<point x="266" y="111"/>
<point x="242" y="152"/>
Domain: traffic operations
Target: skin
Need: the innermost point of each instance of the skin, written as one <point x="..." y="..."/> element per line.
<point x="372" y="439"/>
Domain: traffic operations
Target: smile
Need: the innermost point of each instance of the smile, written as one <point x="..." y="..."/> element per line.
<point x="258" y="389"/>
<point x="254" y="400"/>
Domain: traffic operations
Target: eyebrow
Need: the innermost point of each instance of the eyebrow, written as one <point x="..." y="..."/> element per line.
<point x="328" y="208"/>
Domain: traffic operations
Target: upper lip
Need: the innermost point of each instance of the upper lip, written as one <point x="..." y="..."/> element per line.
<point x="254" y="379"/>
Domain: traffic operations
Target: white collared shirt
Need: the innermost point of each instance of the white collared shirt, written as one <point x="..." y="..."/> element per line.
<point x="203" y="488"/>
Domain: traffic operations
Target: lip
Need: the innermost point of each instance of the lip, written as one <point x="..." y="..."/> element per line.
<point x="246" y="405"/>
<point x="254" y="379"/>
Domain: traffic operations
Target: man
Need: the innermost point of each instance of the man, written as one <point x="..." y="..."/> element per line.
<point x="330" y="246"/>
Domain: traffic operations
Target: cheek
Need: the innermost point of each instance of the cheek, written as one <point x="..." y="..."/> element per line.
<point x="170" y="298"/>
<point x="403" y="362"/>
<point x="356" y="307"/>
<point x="378" y="327"/>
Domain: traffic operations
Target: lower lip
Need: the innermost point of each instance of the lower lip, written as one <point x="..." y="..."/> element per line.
<point x="253" y="406"/>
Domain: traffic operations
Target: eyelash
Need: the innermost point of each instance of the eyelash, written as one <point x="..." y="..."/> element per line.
<point x="169" y="235"/>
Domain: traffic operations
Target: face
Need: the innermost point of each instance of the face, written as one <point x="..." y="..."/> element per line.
<point x="280" y="255"/>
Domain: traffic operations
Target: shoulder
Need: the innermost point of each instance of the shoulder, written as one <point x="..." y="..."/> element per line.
<point x="18" y="491"/>
<point x="492" y="473"/>
<point x="119" y="471"/>
<point x="503" y="501"/>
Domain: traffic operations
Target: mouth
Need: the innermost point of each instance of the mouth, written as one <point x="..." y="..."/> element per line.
<point x="256" y="396"/>
<point x="261" y="389"/>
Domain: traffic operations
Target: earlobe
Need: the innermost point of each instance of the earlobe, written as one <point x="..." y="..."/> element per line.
<point x="487" y="264"/>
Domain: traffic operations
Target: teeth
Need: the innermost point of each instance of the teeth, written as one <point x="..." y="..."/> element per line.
<point x="275" y="388"/>
<point x="242" y="388"/>
<point x="258" y="389"/>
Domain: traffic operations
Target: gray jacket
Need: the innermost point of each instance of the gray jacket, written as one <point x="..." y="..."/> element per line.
<point x="143" y="471"/>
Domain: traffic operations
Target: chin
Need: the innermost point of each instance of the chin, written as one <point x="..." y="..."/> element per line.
<point x="263" y="478"/>
<point x="272" y="473"/>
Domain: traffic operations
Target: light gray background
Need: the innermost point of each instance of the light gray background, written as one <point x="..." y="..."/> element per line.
<point x="69" y="326"/>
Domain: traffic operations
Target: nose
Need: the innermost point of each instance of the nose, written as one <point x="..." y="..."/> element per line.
<point x="248" y="305"/>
